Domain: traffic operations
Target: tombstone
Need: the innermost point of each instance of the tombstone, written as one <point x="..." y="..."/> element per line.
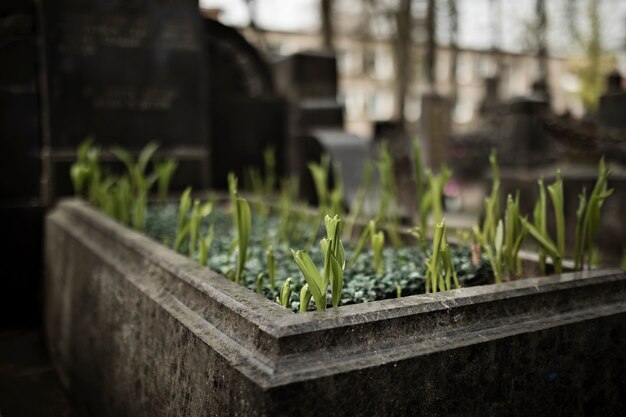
<point x="309" y="81"/>
<point x="521" y="138"/>
<point x="21" y="211"/>
<point x="612" y="111"/>
<point x="246" y="115"/>
<point x="19" y="104"/>
<point x="126" y="73"/>
<point x="491" y="100"/>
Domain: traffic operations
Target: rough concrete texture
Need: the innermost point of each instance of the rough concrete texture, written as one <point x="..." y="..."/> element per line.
<point x="138" y="330"/>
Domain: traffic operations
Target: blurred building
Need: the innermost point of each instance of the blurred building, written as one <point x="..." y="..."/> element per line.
<point x="367" y="77"/>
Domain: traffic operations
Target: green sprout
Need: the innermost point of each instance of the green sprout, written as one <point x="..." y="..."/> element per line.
<point x="334" y="257"/>
<point x="433" y="273"/>
<point x="259" y="283"/>
<point x="140" y="183"/>
<point x="377" y="240"/>
<point x="269" y="159"/>
<point x="288" y="194"/>
<point x="305" y="298"/>
<point x="436" y="184"/>
<point x="198" y="213"/>
<point x="165" y="171"/>
<point x="378" y="243"/>
<point x="398" y="290"/>
<point x="336" y="194"/>
<point x="253" y="181"/>
<point x="86" y="170"/>
<point x="243" y="225"/>
<point x="182" y="229"/>
<point x="359" y="200"/>
<point x="271" y="267"/>
<point x="205" y="245"/>
<point x="503" y="249"/>
<point x="556" y="195"/>
<point x="539" y="230"/>
<point x="440" y="272"/>
<point x="319" y="173"/>
<point x="334" y="264"/>
<point x="588" y="217"/>
<point x="285" y="293"/>
<point x="388" y="198"/>
<point x="424" y="196"/>
<point x="313" y="278"/>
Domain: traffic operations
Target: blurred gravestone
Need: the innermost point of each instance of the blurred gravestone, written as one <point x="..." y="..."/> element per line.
<point x="21" y="211"/>
<point x="309" y="81"/>
<point x="19" y="106"/>
<point x="125" y="72"/>
<point x="246" y="116"/>
<point x="612" y="112"/>
<point x="522" y="141"/>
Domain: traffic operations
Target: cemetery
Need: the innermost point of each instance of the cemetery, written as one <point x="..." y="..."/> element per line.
<point x="196" y="230"/>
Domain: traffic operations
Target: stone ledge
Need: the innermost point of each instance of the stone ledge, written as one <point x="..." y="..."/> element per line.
<point x="129" y="280"/>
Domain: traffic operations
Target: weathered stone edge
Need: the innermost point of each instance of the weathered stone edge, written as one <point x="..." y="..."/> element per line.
<point x="269" y="357"/>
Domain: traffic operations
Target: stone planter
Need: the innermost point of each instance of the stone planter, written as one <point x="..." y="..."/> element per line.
<point x="138" y="330"/>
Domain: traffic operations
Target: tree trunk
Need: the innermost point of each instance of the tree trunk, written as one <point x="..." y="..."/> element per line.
<point x="431" y="45"/>
<point x="402" y="53"/>
<point x="542" y="43"/>
<point x="454" y="49"/>
<point x="327" y="24"/>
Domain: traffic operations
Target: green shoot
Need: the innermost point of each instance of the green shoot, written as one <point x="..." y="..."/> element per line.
<point x="140" y="184"/>
<point x="541" y="223"/>
<point x="556" y="195"/>
<point x="539" y="230"/>
<point x="305" y="298"/>
<point x="580" y="227"/>
<point x="165" y="171"/>
<point x="546" y="244"/>
<point x="313" y="278"/>
<point x="288" y="194"/>
<point x="360" y="245"/>
<point x="269" y="158"/>
<point x="448" y="265"/>
<point x="195" y="220"/>
<point x="336" y="195"/>
<point x="271" y="267"/>
<point x="433" y="273"/>
<point x="319" y="173"/>
<point x="398" y="290"/>
<point x="359" y="200"/>
<point x="388" y="195"/>
<point x="378" y="243"/>
<point x="334" y="257"/>
<point x="205" y="245"/>
<point x="243" y="225"/>
<point x="387" y="182"/>
<point x="440" y="273"/>
<point x="436" y="184"/>
<point x="182" y="230"/>
<point x="259" y="283"/>
<point x="86" y="170"/>
<point x="334" y="263"/>
<point x="285" y="293"/>
<point x="589" y="212"/>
